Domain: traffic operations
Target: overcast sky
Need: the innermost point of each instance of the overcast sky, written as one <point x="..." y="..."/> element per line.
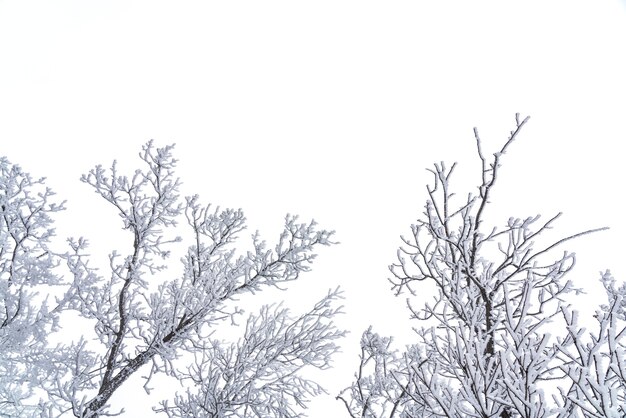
<point x="328" y="109"/>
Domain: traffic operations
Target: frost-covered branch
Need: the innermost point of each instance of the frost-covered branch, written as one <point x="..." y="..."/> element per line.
<point x="143" y="315"/>
<point x="483" y="349"/>
<point x="596" y="362"/>
<point x="261" y="374"/>
<point x="27" y="275"/>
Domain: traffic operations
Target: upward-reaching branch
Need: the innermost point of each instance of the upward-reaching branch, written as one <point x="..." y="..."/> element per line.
<point x="490" y="175"/>
<point x="141" y="318"/>
<point x="483" y="348"/>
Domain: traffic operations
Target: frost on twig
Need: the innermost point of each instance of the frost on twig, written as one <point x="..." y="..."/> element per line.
<point x="142" y="316"/>
<point x="27" y="266"/>
<point x="595" y="362"/>
<point x="261" y="374"/>
<point x="483" y="348"/>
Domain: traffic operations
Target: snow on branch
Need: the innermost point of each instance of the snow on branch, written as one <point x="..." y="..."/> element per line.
<point x="142" y="318"/>
<point x="485" y="345"/>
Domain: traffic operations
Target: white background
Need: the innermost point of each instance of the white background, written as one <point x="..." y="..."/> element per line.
<point x="328" y="109"/>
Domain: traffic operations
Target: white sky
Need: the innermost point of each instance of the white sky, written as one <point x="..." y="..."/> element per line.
<point x="328" y="109"/>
